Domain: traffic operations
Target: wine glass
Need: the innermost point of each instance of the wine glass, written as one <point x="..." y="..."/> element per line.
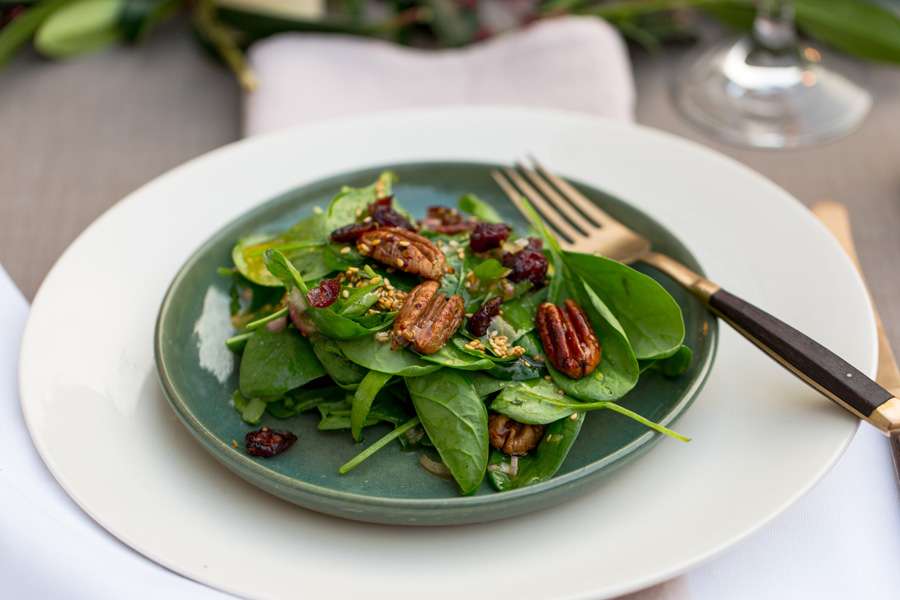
<point x="769" y="91"/>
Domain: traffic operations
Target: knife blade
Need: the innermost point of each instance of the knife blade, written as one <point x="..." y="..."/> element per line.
<point x="836" y="218"/>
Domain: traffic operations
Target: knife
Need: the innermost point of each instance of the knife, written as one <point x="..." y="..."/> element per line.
<point x="835" y="217"/>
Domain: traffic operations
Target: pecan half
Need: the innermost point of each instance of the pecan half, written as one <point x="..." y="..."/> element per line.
<point x="403" y="250"/>
<point x="568" y="339"/>
<point x="512" y="437"/>
<point x="427" y="319"/>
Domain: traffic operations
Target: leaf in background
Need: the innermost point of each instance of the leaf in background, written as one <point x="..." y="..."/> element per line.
<point x="79" y="27"/>
<point x="139" y="17"/>
<point x="856" y="27"/>
<point x="20" y="30"/>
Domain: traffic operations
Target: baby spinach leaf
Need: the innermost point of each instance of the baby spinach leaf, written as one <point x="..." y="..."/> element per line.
<point x="344" y="372"/>
<point x="543" y="463"/>
<point x="253" y="411"/>
<point x="473" y="205"/>
<point x="363" y="398"/>
<point x="671" y="366"/>
<point x="274" y="363"/>
<point x="520" y="313"/>
<point x="378" y="356"/>
<point x="450" y="355"/>
<point x="489" y="270"/>
<point x="299" y="401"/>
<point x="485" y="385"/>
<point x="325" y="320"/>
<point x="381" y="443"/>
<point x="359" y="300"/>
<point x="305" y="254"/>
<point x="536" y="402"/>
<point x="350" y="203"/>
<point x="650" y="317"/>
<point x="456" y="422"/>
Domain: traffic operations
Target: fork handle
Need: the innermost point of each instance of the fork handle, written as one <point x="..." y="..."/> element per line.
<point x="807" y="359"/>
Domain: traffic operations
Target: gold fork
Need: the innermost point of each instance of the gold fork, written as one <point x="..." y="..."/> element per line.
<point x="584" y="227"/>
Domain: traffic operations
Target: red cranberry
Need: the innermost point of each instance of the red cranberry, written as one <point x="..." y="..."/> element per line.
<point x="351" y="233"/>
<point x="528" y="265"/>
<point x="324" y="294"/>
<point x="535" y="244"/>
<point x="479" y="322"/>
<point x="266" y="442"/>
<point x="383" y="213"/>
<point x="488" y="236"/>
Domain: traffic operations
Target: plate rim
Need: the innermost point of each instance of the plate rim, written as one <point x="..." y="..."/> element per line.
<point x="585" y="474"/>
<point x="636" y="582"/>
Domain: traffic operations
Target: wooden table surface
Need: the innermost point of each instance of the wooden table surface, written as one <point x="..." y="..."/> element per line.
<point x="78" y="136"/>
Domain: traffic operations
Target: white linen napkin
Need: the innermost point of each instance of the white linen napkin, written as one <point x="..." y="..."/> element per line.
<point x="48" y="547"/>
<point x="573" y="63"/>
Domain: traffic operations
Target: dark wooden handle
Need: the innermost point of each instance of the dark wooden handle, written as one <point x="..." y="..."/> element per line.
<point x="813" y="362"/>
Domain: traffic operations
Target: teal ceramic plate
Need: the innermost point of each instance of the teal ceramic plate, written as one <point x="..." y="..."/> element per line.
<point x="198" y="376"/>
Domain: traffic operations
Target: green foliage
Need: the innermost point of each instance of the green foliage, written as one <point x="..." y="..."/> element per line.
<point x="274" y="363"/>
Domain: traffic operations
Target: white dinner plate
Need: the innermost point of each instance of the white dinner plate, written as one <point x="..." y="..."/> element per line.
<point x="760" y="438"/>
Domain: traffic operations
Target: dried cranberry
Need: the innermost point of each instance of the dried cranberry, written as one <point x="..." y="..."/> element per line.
<point x="528" y="265"/>
<point x="385" y="202"/>
<point x="351" y="233"/>
<point x="266" y="442"/>
<point x="488" y="236"/>
<point x="479" y="322"/>
<point x="325" y="293"/>
<point x="444" y="219"/>
<point x="535" y="244"/>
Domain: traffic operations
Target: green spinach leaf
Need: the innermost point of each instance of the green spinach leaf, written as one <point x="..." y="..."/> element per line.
<point x="649" y="316"/>
<point x="299" y="401"/>
<point x="274" y="363"/>
<point x="378" y="356"/>
<point x="450" y="355"/>
<point x="363" y="398"/>
<point x="479" y="209"/>
<point x="456" y="422"/>
<point x="344" y="372"/>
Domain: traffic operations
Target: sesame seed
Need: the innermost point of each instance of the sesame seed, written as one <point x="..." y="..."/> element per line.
<point x="403" y="244"/>
<point x="317" y="210"/>
<point x="547" y="377"/>
<point x="234" y="444"/>
<point x="399" y="262"/>
<point x="345" y="293"/>
<point x="363" y="248"/>
<point x="358" y="212"/>
<point x="345" y="250"/>
<point x="367" y="220"/>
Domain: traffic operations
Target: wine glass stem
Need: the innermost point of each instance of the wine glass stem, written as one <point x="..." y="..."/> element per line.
<point x="773" y="28"/>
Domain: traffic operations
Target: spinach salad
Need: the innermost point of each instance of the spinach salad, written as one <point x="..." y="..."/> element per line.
<point x="483" y="347"/>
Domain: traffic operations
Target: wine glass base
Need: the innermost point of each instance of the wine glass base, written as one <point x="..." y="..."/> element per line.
<point x="749" y="96"/>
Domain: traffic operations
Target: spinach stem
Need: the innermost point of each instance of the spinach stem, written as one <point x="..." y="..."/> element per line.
<point x="384" y="441"/>
<point x="644" y="421"/>
<point x="252" y="325"/>
<point x="237" y="342"/>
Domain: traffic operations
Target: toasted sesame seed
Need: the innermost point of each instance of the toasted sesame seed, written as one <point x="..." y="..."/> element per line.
<point x="345" y="250"/>
<point x="345" y="294"/>
<point x="367" y="220"/>
<point x="399" y="262"/>
<point x="547" y="377"/>
<point x="234" y="444"/>
<point x="358" y="212"/>
<point x="403" y="244"/>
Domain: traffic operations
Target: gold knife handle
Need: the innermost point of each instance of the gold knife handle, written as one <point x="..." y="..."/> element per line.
<point x="810" y="361"/>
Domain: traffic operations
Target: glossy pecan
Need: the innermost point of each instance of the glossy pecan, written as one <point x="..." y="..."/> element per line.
<point x="427" y="319"/>
<point x="403" y="250"/>
<point x="511" y="437"/>
<point x="569" y="340"/>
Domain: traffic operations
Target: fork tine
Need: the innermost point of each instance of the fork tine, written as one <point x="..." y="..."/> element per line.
<point x="514" y="196"/>
<point x="574" y="217"/>
<point x="574" y="196"/>
<point x="550" y="213"/>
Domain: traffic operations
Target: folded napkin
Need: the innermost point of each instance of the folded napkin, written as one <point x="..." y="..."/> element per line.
<point x="572" y="63"/>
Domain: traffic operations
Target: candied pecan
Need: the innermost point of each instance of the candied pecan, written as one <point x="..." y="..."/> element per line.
<point x="383" y="213"/>
<point x="427" y="319"/>
<point x="568" y="339"/>
<point x="444" y="219"/>
<point x="403" y="250"/>
<point x="526" y="264"/>
<point x="351" y="233"/>
<point x="488" y="236"/>
<point x="511" y="437"/>
<point x="324" y="294"/>
<point x="480" y="321"/>
<point x="266" y="442"/>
